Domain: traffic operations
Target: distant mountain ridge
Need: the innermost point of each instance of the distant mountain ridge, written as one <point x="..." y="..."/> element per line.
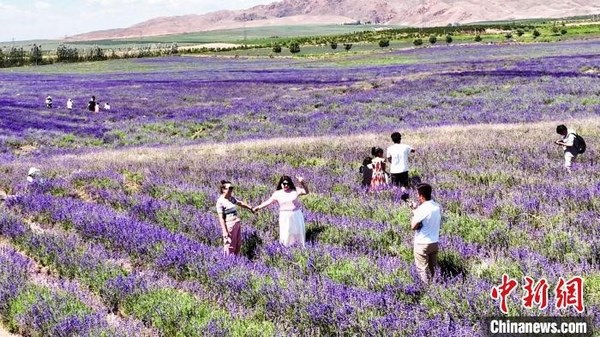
<point x="397" y="12"/>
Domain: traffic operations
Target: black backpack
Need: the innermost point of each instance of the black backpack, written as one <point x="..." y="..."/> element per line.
<point x="579" y="143"/>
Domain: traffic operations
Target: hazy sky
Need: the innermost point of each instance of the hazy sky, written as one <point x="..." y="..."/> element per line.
<point x="45" y="19"/>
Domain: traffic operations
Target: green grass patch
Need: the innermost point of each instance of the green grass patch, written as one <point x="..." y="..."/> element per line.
<point x="23" y="310"/>
<point x="172" y="312"/>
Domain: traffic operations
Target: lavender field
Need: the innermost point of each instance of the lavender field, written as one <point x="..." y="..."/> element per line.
<point x="121" y="237"/>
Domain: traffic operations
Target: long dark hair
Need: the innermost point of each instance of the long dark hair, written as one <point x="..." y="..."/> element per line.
<point x="287" y="179"/>
<point x="375" y="151"/>
<point x="222" y="185"/>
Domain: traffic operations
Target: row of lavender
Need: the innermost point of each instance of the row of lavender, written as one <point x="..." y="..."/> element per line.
<point x="52" y="308"/>
<point x="357" y="274"/>
<point x="174" y="100"/>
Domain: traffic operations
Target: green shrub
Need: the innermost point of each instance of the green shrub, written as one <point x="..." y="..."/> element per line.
<point x="294" y="47"/>
<point x="34" y="300"/>
<point x="172" y="312"/>
<point x="384" y="43"/>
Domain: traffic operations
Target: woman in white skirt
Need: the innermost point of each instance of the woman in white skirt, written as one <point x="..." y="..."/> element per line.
<point x="291" y="219"/>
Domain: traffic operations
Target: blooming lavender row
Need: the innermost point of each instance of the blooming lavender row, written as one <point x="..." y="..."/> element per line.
<point x="186" y="258"/>
<point x="227" y="100"/>
<point x="32" y="309"/>
<point x="121" y="290"/>
<point x="328" y="221"/>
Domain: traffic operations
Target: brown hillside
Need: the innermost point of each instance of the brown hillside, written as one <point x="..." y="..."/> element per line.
<point x="397" y="12"/>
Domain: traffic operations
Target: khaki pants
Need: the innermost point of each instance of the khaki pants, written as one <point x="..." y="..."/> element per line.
<point x="569" y="159"/>
<point x="426" y="260"/>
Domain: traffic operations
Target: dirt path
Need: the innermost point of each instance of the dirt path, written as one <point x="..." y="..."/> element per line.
<point x="4" y="333"/>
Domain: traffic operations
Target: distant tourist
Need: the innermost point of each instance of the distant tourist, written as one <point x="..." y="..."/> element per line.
<point x="568" y="144"/>
<point x="97" y="107"/>
<point x="70" y="104"/>
<point x="106" y="106"/>
<point x="49" y="102"/>
<point x="34" y="175"/>
<point x="426" y="220"/>
<point x="367" y="172"/>
<point x="397" y="156"/>
<point x="228" y="218"/>
<point x="92" y="104"/>
<point x="379" y="177"/>
<point x="291" y="220"/>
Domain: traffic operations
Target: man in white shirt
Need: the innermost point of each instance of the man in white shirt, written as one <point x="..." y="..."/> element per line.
<point x="426" y="221"/>
<point x="397" y="155"/>
<point x="568" y="144"/>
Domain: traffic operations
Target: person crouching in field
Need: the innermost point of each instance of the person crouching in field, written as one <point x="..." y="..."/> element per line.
<point x="367" y="172"/>
<point x="568" y="144"/>
<point x="426" y="221"/>
<point x="228" y="218"/>
<point x="291" y="220"/>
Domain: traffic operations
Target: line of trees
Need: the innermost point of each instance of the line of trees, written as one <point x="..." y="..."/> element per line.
<point x="13" y="56"/>
<point x="17" y="56"/>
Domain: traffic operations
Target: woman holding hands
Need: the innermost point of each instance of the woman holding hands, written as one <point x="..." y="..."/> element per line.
<point x="228" y="218"/>
<point x="291" y="219"/>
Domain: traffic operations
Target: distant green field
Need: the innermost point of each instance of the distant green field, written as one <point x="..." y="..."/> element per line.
<point x="400" y="37"/>
<point x="260" y="34"/>
<point x="253" y="35"/>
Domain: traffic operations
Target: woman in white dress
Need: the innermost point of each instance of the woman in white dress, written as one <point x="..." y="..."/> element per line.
<point x="291" y="220"/>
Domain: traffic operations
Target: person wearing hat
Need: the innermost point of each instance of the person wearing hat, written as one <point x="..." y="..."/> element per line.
<point x="228" y="218"/>
<point x="291" y="220"/>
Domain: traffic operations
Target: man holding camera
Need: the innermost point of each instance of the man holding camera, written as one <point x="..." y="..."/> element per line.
<point x="426" y="221"/>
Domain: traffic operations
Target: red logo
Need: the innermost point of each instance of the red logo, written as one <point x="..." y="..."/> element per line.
<point x="568" y="293"/>
<point x="503" y="290"/>
<point x="536" y="293"/>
